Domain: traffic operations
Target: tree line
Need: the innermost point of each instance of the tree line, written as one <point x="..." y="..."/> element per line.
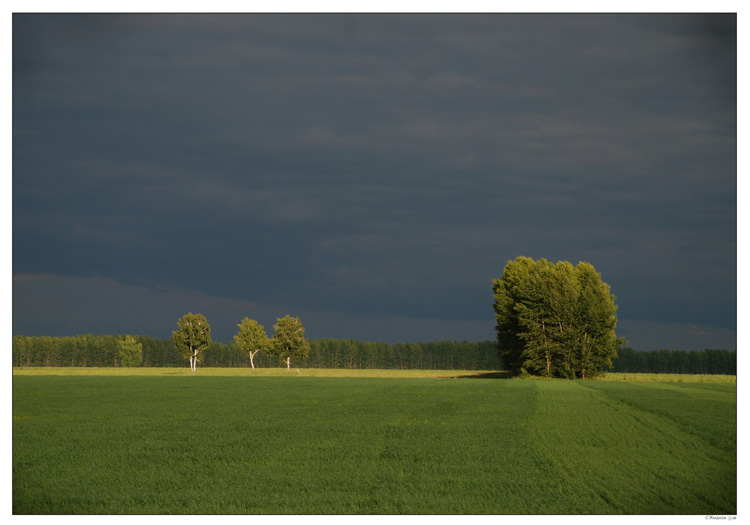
<point x="102" y="351"/>
<point x="105" y="351"/>
<point x="709" y="361"/>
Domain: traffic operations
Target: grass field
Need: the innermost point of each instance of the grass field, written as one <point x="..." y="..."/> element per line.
<point x="296" y="443"/>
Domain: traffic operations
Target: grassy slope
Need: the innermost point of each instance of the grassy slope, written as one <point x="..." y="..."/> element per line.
<point x="321" y="445"/>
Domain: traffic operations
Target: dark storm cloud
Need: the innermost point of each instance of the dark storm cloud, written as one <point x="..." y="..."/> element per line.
<point x="380" y="164"/>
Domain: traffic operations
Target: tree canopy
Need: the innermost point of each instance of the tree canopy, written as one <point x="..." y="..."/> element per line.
<point x="130" y="351"/>
<point x="555" y="320"/>
<point x="289" y="341"/>
<point x="252" y="338"/>
<point x="192" y="337"/>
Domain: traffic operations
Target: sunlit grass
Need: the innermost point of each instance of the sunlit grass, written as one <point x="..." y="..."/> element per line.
<point x="346" y="372"/>
<point x="675" y="443"/>
<point x="248" y="372"/>
<point x="669" y="378"/>
<point x="208" y="444"/>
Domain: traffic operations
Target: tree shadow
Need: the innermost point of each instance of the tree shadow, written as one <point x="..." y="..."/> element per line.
<point x="484" y="375"/>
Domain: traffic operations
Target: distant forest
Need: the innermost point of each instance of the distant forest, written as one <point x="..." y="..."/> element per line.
<point x="676" y="361"/>
<point x="102" y="351"/>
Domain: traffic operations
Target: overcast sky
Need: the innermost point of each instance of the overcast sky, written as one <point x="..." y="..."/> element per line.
<point x="371" y="174"/>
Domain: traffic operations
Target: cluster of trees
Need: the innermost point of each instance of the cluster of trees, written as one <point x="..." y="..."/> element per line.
<point x="555" y="320"/>
<point x="288" y="341"/>
<point x="100" y="350"/>
<point x="193" y="338"/>
<point x="676" y="361"/>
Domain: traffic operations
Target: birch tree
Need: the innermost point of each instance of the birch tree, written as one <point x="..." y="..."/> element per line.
<point x="252" y="338"/>
<point x="192" y="338"/>
<point x="595" y="341"/>
<point x="288" y="340"/>
<point x="511" y="293"/>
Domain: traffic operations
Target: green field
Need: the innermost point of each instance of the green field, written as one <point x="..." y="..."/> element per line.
<point x="290" y="443"/>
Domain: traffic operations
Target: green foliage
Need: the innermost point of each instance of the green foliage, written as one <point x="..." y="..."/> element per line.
<point x="288" y="340"/>
<point x="707" y="361"/>
<point x="192" y="337"/>
<point x="252" y="338"/>
<point x="93" y="351"/>
<point x="81" y="350"/>
<point x="130" y="352"/>
<point x="395" y="446"/>
<point x="324" y="353"/>
<point x="554" y="320"/>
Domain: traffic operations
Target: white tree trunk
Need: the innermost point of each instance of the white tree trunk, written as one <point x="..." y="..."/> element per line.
<point x="252" y="354"/>
<point x="287" y="363"/>
<point x="194" y="361"/>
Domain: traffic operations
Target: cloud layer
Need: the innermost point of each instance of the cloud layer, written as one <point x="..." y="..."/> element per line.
<point x="377" y="166"/>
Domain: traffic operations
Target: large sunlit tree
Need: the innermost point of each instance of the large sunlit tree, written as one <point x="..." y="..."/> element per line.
<point x="555" y="320"/>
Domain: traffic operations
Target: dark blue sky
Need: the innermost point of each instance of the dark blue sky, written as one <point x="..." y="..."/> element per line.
<point x="371" y="174"/>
